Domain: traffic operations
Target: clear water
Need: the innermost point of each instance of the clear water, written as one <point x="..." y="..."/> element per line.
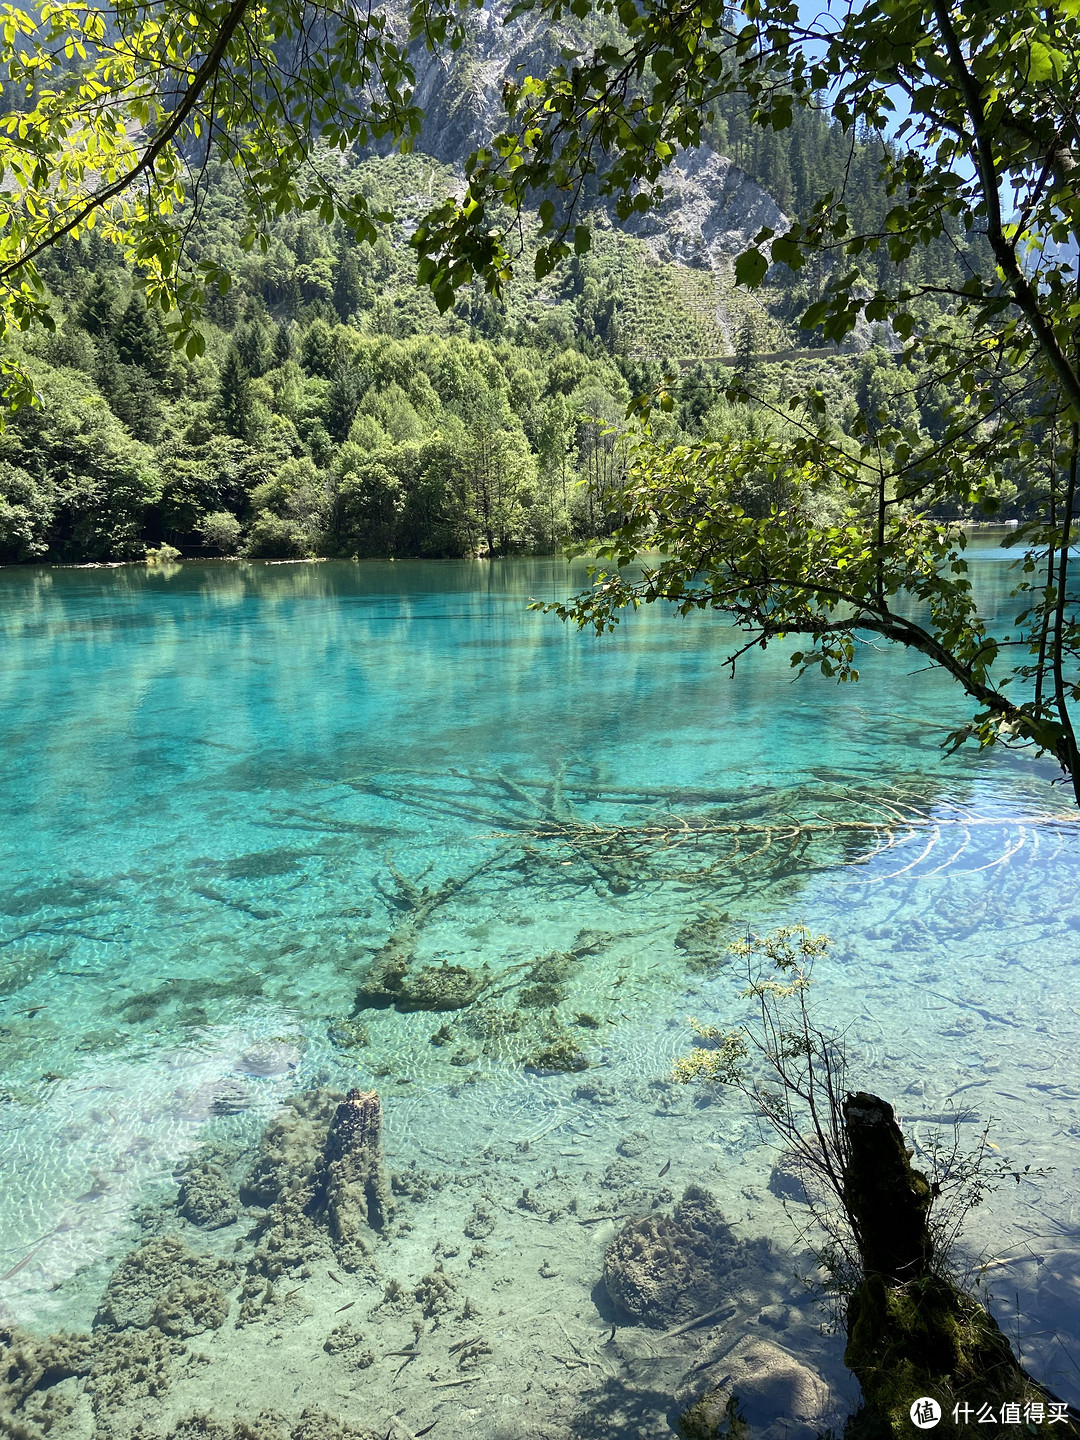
<point x="211" y="775"/>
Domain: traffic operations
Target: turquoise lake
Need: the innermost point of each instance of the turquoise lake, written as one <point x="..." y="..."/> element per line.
<point x="225" y="785"/>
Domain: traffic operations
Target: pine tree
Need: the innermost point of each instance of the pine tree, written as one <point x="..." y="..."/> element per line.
<point x="236" y="404"/>
<point x="284" y="343"/>
<point x="293" y="298"/>
<point x="97" y="313"/>
<point x="695" y="397"/>
<point x="341" y="401"/>
<point x="109" y="373"/>
<point x="141" y="339"/>
<point x="746" y="343"/>
<point x="254" y="346"/>
<point x="348" y="291"/>
<point x="319" y="351"/>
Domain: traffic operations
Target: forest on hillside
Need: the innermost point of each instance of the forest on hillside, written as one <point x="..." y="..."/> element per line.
<point x="336" y="412"/>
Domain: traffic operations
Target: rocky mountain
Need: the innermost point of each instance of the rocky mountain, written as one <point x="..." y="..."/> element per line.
<point x="711" y="209"/>
<point x="710" y="212"/>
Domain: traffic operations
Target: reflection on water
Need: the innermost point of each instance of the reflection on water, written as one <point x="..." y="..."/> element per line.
<point x="271" y="827"/>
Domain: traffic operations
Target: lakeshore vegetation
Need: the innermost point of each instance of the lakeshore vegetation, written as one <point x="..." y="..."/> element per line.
<point x="334" y="411"/>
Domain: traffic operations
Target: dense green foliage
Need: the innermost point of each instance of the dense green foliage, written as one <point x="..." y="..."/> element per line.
<point x="335" y="411"/>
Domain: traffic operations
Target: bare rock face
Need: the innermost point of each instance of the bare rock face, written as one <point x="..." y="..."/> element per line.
<point x="461" y="93"/>
<point x="667" y="1268"/>
<point x="779" y="1396"/>
<point x="710" y="212"/>
<point x="351" y="1184"/>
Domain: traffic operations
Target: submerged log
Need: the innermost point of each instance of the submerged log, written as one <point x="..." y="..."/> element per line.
<point x="391" y="979"/>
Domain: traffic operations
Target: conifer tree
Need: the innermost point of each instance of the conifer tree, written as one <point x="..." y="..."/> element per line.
<point x="348" y="291"/>
<point x="319" y="353"/>
<point x="746" y="344"/>
<point x="341" y="402"/>
<point x="254" y="346"/>
<point x="235" y="401"/>
<point x="284" y="343"/>
<point x="141" y="339"/>
<point x="97" y="313"/>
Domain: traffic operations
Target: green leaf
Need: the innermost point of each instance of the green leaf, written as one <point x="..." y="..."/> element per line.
<point x="787" y="252"/>
<point x="750" y="269"/>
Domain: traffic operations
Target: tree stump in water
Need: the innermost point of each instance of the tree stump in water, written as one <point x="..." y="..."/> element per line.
<point x="887" y="1200"/>
<point x="351" y="1185"/>
<point x="912" y="1333"/>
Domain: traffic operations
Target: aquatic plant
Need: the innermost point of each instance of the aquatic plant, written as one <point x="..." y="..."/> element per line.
<point x="559" y="1052"/>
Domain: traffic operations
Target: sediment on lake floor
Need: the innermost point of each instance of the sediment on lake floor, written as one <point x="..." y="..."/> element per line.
<point x="303" y="1289"/>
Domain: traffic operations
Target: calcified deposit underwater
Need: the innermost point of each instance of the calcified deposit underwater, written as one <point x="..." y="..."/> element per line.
<point x="351" y="920"/>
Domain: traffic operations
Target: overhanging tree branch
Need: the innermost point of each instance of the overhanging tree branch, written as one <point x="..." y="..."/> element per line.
<point x="206" y="73"/>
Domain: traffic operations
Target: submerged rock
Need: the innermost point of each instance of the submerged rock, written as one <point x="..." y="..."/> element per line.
<point x="270" y="1058"/>
<point x="291" y="1146"/>
<point x="701" y="938"/>
<point x="164" y="1284"/>
<point x="133" y="1366"/>
<point x="113" y="1369"/>
<point x="481" y="1222"/>
<point x="30" y="1364"/>
<point x="667" y="1268"/>
<point x="312" y="1424"/>
<point x="559" y="1054"/>
<point x="207" y="1196"/>
<point x="188" y="1307"/>
<point x="215" y="1097"/>
<point x="779" y="1397"/>
<point x="788" y="1179"/>
<point x="436" y="1293"/>
<point x="347" y="1034"/>
<point x="349" y="1342"/>
<point x="432" y="987"/>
